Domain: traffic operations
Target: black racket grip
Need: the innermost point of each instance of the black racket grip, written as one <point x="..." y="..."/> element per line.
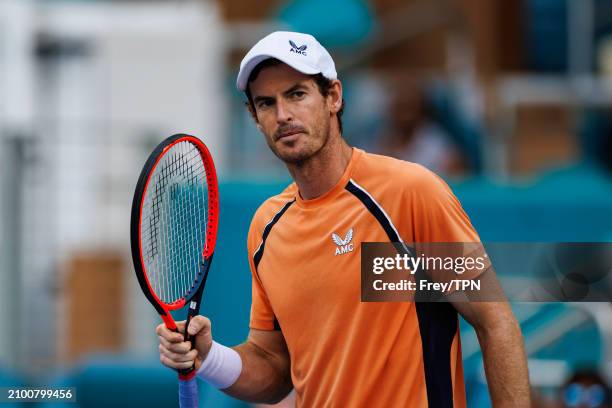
<point x="194" y="309"/>
<point x="188" y="337"/>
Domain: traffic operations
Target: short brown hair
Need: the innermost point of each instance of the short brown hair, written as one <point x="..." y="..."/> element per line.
<point x="324" y="85"/>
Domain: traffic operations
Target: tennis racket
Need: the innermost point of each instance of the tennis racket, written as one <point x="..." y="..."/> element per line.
<point x="173" y="232"/>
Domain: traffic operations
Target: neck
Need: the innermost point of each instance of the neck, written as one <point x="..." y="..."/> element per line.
<point x="317" y="175"/>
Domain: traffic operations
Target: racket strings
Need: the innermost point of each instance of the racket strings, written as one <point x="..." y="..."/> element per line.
<point x="174" y="221"/>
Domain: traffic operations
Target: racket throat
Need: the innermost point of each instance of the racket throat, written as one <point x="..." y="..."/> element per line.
<point x="194" y="303"/>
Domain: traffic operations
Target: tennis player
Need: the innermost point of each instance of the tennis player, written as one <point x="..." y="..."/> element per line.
<point x="308" y="328"/>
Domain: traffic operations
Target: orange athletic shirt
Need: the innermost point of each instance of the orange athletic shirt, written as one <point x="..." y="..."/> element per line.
<point x="345" y="353"/>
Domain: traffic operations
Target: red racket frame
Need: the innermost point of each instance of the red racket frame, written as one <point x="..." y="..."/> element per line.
<point x="148" y="170"/>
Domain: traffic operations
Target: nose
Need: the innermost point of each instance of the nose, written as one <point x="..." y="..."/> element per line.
<point x="283" y="114"/>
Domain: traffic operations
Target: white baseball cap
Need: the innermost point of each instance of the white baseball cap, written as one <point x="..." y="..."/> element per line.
<point x="301" y="52"/>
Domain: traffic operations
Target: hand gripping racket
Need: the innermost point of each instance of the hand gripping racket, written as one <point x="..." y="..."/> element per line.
<point x="173" y="230"/>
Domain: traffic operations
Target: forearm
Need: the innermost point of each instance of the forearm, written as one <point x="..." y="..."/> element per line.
<point x="505" y="363"/>
<point x="265" y="377"/>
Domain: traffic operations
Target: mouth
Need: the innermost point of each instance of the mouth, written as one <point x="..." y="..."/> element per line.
<point x="288" y="135"/>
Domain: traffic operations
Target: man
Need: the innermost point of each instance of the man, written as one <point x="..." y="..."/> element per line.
<point x="308" y="328"/>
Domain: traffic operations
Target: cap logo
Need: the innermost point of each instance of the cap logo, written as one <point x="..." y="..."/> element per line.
<point x="298" y="50"/>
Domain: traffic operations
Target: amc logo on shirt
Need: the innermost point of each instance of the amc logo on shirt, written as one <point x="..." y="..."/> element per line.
<point x="345" y="245"/>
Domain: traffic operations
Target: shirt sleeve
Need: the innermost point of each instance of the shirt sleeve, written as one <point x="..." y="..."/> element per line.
<point x="443" y="229"/>
<point x="439" y="216"/>
<point x="262" y="315"/>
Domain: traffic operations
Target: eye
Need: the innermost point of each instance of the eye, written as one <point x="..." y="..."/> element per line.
<point x="298" y="94"/>
<point x="264" y="103"/>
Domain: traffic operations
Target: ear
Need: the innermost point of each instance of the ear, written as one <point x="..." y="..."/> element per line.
<point x="251" y="110"/>
<point x="334" y="96"/>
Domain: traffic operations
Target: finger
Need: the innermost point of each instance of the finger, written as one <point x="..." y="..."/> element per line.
<point x="164" y="342"/>
<point x="199" y="325"/>
<point x="163" y="331"/>
<point x="184" y="366"/>
<point x="172" y="357"/>
<point x="178" y="357"/>
<point x="173" y="364"/>
<point x="182" y="347"/>
<point x="177" y="361"/>
<point x="181" y="326"/>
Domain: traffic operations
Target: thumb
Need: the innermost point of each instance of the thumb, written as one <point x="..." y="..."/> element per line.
<point x="199" y="326"/>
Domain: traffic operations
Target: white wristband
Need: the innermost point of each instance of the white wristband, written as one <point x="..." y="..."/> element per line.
<point x="221" y="367"/>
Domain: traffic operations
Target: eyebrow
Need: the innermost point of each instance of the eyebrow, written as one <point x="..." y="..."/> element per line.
<point x="294" y="88"/>
<point x="258" y="99"/>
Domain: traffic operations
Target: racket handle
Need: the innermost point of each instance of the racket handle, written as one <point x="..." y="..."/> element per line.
<point x="190" y="314"/>
<point x="188" y="393"/>
<point x="188" y="386"/>
<point x="194" y="307"/>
